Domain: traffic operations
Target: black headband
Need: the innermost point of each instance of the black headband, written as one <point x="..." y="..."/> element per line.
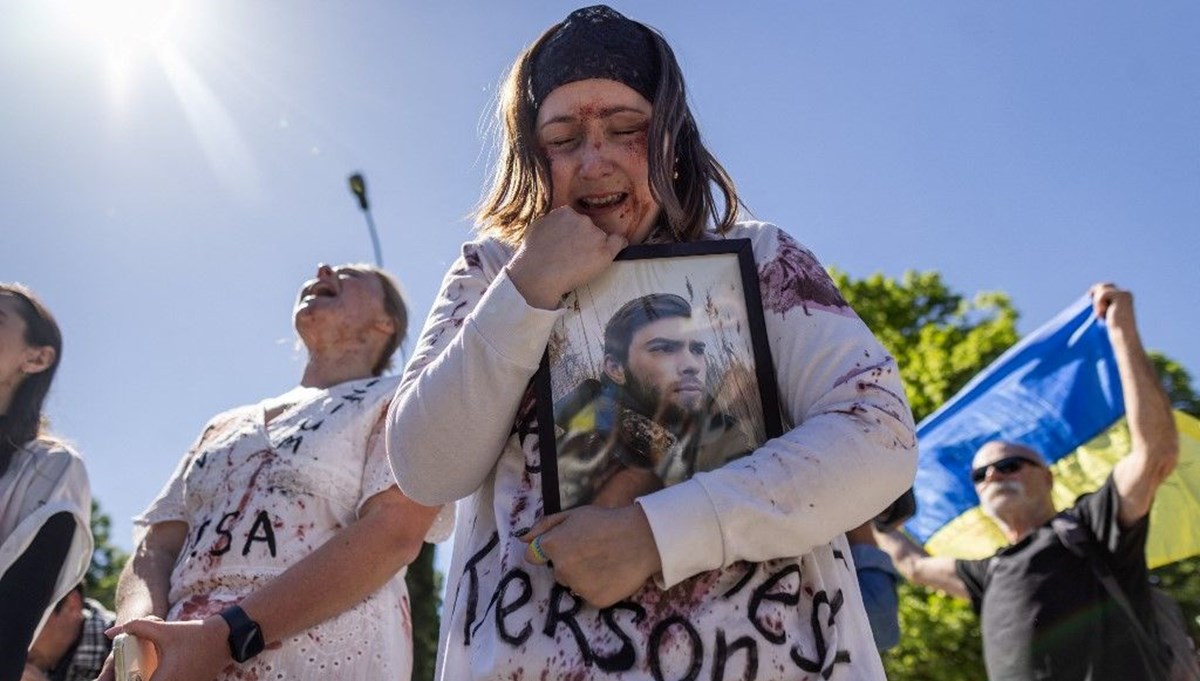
<point x="596" y="42"/>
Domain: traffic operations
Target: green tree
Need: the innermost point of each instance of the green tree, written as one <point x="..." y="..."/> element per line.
<point x="941" y="340"/>
<point x="107" y="560"/>
<point x="1178" y="384"/>
<point x="424" y="594"/>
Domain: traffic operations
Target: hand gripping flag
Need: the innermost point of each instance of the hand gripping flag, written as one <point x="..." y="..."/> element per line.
<point x="1057" y="391"/>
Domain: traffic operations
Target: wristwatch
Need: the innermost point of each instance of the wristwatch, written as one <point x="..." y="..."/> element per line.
<point x="245" y="636"/>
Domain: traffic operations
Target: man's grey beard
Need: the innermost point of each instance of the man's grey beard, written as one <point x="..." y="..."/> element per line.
<point x="1011" y="488"/>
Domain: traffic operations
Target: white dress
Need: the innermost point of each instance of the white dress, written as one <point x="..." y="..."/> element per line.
<point x="758" y="580"/>
<point x="259" y="497"/>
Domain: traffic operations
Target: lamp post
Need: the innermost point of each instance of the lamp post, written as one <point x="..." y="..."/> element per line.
<point x="358" y="186"/>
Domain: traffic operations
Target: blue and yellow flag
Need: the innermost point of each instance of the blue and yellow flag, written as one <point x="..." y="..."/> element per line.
<point x="1057" y="392"/>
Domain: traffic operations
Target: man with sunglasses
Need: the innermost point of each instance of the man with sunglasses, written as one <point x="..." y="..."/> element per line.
<point x="1044" y="613"/>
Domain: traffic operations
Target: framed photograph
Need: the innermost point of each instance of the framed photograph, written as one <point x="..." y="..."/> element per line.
<point x="659" y="370"/>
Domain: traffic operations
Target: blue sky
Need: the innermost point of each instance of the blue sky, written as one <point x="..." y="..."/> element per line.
<point x="168" y="180"/>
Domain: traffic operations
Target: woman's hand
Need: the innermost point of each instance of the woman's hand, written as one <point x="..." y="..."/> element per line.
<point x="196" y="650"/>
<point x="601" y="554"/>
<point x="561" y="251"/>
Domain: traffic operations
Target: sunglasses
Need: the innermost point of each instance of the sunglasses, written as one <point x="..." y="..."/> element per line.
<point x="1009" y="464"/>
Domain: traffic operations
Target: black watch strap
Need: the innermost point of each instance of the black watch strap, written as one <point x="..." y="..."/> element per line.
<point x="245" y="636"/>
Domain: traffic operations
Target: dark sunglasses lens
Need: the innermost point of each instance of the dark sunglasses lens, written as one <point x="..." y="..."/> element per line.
<point x="1007" y="466"/>
<point x="1004" y="466"/>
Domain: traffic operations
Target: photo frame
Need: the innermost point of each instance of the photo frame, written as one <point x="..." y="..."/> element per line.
<point x="659" y="370"/>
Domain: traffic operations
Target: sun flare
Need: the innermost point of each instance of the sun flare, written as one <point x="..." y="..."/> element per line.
<point x="126" y="32"/>
<point x="130" y="39"/>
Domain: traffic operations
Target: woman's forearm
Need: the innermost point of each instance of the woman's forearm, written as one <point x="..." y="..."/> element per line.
<point x="353" y="564"/>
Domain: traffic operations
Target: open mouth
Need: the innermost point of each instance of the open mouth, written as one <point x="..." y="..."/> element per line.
<point x="321" y="289"/>
<point x="600" y="203"/>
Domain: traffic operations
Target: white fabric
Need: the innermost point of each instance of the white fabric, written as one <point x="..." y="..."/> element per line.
<point x="756" y="572"/>
<point x="45" y="478"/>
<point x="258" y="498"/>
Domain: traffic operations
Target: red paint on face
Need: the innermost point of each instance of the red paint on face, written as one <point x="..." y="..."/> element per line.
<point x="637" y="146"/>
<point x="593" y="134"/>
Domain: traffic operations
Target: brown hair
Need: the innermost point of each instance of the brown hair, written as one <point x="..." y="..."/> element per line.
<point x="682" y="173"/>
<point x="395" y="307"/>
<point x="23" y="420"/>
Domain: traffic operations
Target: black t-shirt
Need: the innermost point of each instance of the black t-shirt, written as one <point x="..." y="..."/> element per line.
<point x="1044" y="613"/>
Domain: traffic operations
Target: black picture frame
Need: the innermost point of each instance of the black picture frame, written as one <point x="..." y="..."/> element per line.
<point x="597" y="443"/>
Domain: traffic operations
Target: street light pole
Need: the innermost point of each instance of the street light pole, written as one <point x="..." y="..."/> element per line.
<point x="358" y="185"/>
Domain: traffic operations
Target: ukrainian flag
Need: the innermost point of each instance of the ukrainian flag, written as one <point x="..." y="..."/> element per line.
<point x="1058" y="392"/>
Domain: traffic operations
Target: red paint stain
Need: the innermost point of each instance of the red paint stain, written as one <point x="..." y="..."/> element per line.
<point x="195" y="608"/>
<point x="794" y="278"/>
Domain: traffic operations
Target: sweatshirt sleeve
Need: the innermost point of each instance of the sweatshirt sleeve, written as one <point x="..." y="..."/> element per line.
<point x="455" y="407"/>
<point x="851" y="451"/>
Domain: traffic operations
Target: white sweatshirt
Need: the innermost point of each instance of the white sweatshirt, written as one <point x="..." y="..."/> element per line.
<point x="757" y="580"/>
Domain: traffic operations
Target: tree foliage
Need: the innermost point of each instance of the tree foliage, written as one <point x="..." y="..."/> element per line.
<point x="939" y="338"/>
<point x="1178" y="384"/>
<point x="424" y="594"/>
<point x="940" y="638"/>
<point x="108" y="560"/>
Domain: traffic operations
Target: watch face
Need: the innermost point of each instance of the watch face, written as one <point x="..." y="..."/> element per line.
<point x="249" y="644"/>
<point x="245" y="636"/>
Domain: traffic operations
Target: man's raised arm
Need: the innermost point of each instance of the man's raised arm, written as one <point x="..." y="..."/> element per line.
<point x="1154" y="440"/>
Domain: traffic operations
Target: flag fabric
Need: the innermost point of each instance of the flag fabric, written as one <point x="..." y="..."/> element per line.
<point x="1057" y="392"/>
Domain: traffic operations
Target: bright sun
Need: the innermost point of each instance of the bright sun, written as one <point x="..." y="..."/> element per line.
<point x="132" y="37"/>
<point x="127" y="31"/>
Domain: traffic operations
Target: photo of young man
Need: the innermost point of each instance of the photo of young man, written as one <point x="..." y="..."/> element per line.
<point x="649" y="420"/>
